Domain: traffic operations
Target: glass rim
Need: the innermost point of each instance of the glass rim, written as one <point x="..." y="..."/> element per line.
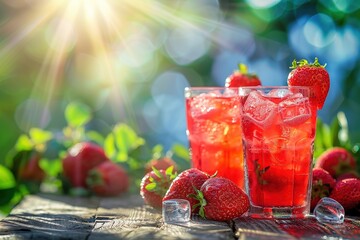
<point x="275" y="87"/>
<point x="241" y="91"/>
<point x="245" y="87"/>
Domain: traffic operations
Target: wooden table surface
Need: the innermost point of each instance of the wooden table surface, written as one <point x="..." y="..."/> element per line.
<point x="63" y="217"/>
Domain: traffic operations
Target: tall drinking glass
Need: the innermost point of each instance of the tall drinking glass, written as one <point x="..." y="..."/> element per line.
<point x="278" y="130"/>
<point x="214" y="131"/>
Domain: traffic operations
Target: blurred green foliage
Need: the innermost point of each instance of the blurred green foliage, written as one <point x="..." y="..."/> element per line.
<point x="122" y="145"/>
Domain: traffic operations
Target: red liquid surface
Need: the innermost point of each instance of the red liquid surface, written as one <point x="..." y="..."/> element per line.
<point x="278" y="137"/>
<point x="214" y="133"/>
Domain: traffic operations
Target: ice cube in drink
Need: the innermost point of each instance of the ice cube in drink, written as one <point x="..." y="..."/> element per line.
<point x="278" y="133"/>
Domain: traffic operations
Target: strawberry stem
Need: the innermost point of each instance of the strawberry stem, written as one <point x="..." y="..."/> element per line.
<point x="304" y="62"/>
<point x="243" y="68"/>
<point x="201" y="204"/>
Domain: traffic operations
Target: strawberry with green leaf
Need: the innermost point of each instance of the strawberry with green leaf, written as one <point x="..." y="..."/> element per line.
<point x="185" y="184"/>
<point x="242" y="78"/>
<point x="336" y="161"/>
<point x="220" y="199"/>
<point x="155" y="184"/>
<point x="313" y="75"/>
<point x="108" y="179"/>
<point x="79" y="160"/>
<point x="322" y="184"/>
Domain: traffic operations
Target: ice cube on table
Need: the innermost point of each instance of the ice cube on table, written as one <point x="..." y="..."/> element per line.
<point x="176" y="211"/>
<point x="329" y="210"/>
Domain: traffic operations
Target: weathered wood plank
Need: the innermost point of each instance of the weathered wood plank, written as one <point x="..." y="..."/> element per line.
<point x="126" y="217"/>
<point x="130" y="219"/>
<point x="47" y="216"/>
<point x="309" y="228"/>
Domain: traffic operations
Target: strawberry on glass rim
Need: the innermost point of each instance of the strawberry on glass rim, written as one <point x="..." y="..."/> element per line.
<point x="313" y="75"/>
<point x="242" y="78"/>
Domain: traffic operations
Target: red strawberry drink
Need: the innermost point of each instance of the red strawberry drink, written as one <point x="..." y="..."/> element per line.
<point x="278" y="133"/>
<point x="214" y="131"/>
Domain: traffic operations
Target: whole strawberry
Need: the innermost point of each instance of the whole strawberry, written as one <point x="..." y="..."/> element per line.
<point x="241" y="78"/>
<point x="79" y="160"/>
<point x="220" y="199"/>
<point x="347" y="193"/>
<point x="313" y="75"/>
<point x="161" y="163"/>
<point x="108" y="179"/>
<point x="26" y="166"/>
<point x="322" y="184"/>
<point x="186" y="184"/>
<point x="336" y="161"/>
<point x="154" y="185"/>
<point x="351" y="174"/>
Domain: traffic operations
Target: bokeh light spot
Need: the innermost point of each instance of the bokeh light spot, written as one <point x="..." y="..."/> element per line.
<point x="319" y="30"/>
<point x="32" y="113"/>
<point x="262" y="3"/>
<point x="186" y="45"/>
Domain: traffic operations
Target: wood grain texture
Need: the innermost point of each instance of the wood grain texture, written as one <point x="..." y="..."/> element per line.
<point x="50" y="217"/>
<point x="126" y="217"/>
<point x="129" y="218"/>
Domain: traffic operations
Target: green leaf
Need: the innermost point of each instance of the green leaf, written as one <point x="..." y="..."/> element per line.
<point x="318" y="143"/>
<point x="157" y="151"/>
<point x="150" y="186"/>
<point x="95" y="137"/>
<point x="334" y="131"/>
<point x="6" y="196"/>
<point x="157" y="172"/>
<point x="126" y="137"/>
<point x="7" y="179"/>
<point x="77" y="114"/>
<point x="169" y="171"/>
<point x="181" y="151"/>
<point x="52" y="167"/>
<point x="109" y="146"/>
<point x="39" y="136"/>
<point x="327" y="139"/>
<point x="343" y="134"/>
<point x="121" y="141"/>
<point x="24" y="143"/>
